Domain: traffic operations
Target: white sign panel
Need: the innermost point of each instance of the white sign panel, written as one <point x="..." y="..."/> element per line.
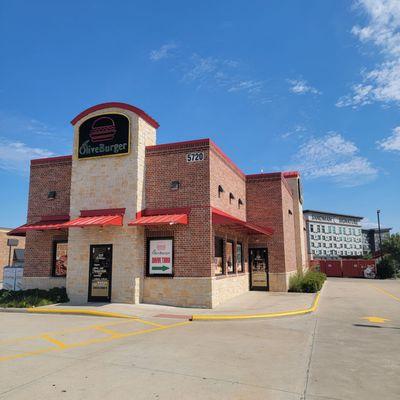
<point x="160" y="256"/>
<point x="12" y="278"/>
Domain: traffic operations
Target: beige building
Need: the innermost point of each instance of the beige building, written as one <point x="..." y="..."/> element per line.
<point x="4" y="249"/>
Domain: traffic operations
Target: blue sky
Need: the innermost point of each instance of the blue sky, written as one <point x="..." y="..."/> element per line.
<point x="278" y="85"/>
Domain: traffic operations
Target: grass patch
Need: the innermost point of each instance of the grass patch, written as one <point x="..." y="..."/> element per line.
<point x="32" y="297"/>
<point x="310" y="282"/>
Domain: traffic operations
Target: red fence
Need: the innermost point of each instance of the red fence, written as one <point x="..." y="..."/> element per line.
<point x="346" y="268"/>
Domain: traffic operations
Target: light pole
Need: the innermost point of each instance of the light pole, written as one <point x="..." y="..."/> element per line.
<point x="379" y="232"/>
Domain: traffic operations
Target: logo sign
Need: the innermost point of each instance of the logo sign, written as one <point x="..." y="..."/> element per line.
<point x="160" y="256"/>
<point x="104" y="135"/>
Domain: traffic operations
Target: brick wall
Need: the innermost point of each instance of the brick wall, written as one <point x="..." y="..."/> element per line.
<point x="268" y="201"/>
<point x="46" y="175"/>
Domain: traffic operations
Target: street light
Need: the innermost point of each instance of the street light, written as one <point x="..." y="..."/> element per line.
<point x="379" y="232"/>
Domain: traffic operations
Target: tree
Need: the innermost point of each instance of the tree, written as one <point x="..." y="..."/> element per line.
<point x="391" y="250"/>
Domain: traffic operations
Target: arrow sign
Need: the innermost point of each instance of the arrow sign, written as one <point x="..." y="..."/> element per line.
<point x="163" y="268"/>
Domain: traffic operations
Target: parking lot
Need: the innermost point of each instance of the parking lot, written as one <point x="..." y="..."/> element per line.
<point x="347" y="349"/>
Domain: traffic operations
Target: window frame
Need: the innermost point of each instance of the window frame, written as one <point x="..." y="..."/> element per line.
<point x="55" y="242"/>
<point x="232" y="242"/>
<point x="223" y="255"/>
<point x="241" y="258"/>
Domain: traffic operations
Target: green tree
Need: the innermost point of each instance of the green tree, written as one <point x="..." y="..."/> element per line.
<point x="391" y="251"/>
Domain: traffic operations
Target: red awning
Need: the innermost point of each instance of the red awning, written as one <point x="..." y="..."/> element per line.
<point x="46" y="223"/>
<point x="166" y="219"/>
<point x="113" y="217"/>
<point x="222" y="218"/>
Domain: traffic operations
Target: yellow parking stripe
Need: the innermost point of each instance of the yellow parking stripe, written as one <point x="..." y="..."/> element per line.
<point x="63" y="346"/>
<point x="54" y="341"/>
<point x="108" y="331"/>
<point x="148" y="322"/>
<point x="385" y="292"/>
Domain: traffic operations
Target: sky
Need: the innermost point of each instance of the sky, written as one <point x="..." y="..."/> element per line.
<point x="279" y="85"/>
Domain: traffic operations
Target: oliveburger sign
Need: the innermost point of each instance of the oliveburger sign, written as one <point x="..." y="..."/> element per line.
<point x="104" y="135"/>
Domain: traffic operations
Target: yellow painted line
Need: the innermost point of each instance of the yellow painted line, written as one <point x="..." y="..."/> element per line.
<point x="89" y="342"/>
<point x="378" y="320"/>
<point x="209" y="317"/>
<point x="70" y="330"/>
<point x="78" y="311"/>
<point x="385" y="292"/>
<point x="54" y="341"/>
<point x="107" y="331"/>
<point x="148" y="322"/>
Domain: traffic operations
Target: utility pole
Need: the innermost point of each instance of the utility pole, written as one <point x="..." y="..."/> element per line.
<point x="379" y="232"/>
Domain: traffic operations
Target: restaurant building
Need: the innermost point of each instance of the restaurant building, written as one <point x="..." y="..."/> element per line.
<point x="126" y="220"/>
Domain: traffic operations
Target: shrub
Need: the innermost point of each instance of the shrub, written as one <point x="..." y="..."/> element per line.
<point x="386" y="268"/>
<point x="32" y="297"/>
<point x="310" y="282"/>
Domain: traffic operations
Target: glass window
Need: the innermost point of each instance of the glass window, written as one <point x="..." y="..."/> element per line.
<point x="230" y="267"/>
<point x="60" y="258"/>
<point x="239" y="257"/>
<point x="219" y="256"/>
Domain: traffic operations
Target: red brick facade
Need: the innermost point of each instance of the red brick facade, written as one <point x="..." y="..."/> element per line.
<point x="46" y="175"/>
<point x="214" y="182"/>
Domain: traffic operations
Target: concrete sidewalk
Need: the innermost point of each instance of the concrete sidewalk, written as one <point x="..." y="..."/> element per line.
<point x="247" y="303"/>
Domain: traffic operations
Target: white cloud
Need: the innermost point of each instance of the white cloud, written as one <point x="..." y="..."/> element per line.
<point x="301" y="86"/>
<point x="333" y="157"/>
<point x="392" y="142"/>
<point x="382" y="83"/>
<point x="298" y="131"/>
<point x="213" y="72"/>
<point x="15" y="155"/>
<point x="164" y="51"/>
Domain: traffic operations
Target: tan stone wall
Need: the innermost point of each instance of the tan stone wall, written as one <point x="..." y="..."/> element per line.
<point x="279" y="282"/>
<point x="228" y="287"/>
<point x="4" y="248"/>
<point x="104" y="183"/>
<point x="45" y="283"/>
<point x="182" y="292"/>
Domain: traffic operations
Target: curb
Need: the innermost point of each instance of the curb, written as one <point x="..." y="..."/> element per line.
<point x="66" y="311"/>
<point x="220" y="317"/>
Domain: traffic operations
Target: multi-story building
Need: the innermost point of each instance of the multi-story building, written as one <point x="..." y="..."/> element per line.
<point x="332" y="235"/>
<point x="371" y="239"/>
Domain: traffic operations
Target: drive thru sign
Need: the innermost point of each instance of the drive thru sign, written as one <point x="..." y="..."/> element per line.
<point x="160" y="256"/>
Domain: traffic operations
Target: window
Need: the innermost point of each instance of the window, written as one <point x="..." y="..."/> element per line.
<point x="240" y="203"/>
<point x="219" y="256"/>
<point x="239" y="257"/>
<point x="60" y="258"/>
<point x="230" y="267"/>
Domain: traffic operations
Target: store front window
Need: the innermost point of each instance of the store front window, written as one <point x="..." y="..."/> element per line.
<point x="219" y="256"/>
<point x="230" y="267"/>
<point x="60" y="258"/>
<point x="239" y="257"/>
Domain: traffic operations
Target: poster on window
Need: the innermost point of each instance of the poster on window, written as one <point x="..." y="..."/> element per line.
<point x="160" y="256"/>
<point x="61" y="259"/>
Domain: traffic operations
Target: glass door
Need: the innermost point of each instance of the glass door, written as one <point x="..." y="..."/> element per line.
<point x="258" y="263"/>
<point x="100" y="269"/>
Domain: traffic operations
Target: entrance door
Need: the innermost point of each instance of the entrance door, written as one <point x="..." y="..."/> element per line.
<point x="100" y="268"/>
<point x="258" y="262"/>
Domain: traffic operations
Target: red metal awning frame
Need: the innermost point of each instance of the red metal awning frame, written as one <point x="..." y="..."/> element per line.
<point x="222" y="218"/>
<point x="163" y="216"/>
<point x="46" y="222"/>
<point x="103" y="217"/>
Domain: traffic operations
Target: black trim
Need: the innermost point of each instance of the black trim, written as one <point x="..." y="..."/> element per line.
<point x="260" y="288"/>
<point x="53" y="268"/>
<point x="97" y="298"/>
<point x="223" y="255"/>
<point x="242" y="258"/>
<point x="148" y="256"/>
<point x="233" y="257"/>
